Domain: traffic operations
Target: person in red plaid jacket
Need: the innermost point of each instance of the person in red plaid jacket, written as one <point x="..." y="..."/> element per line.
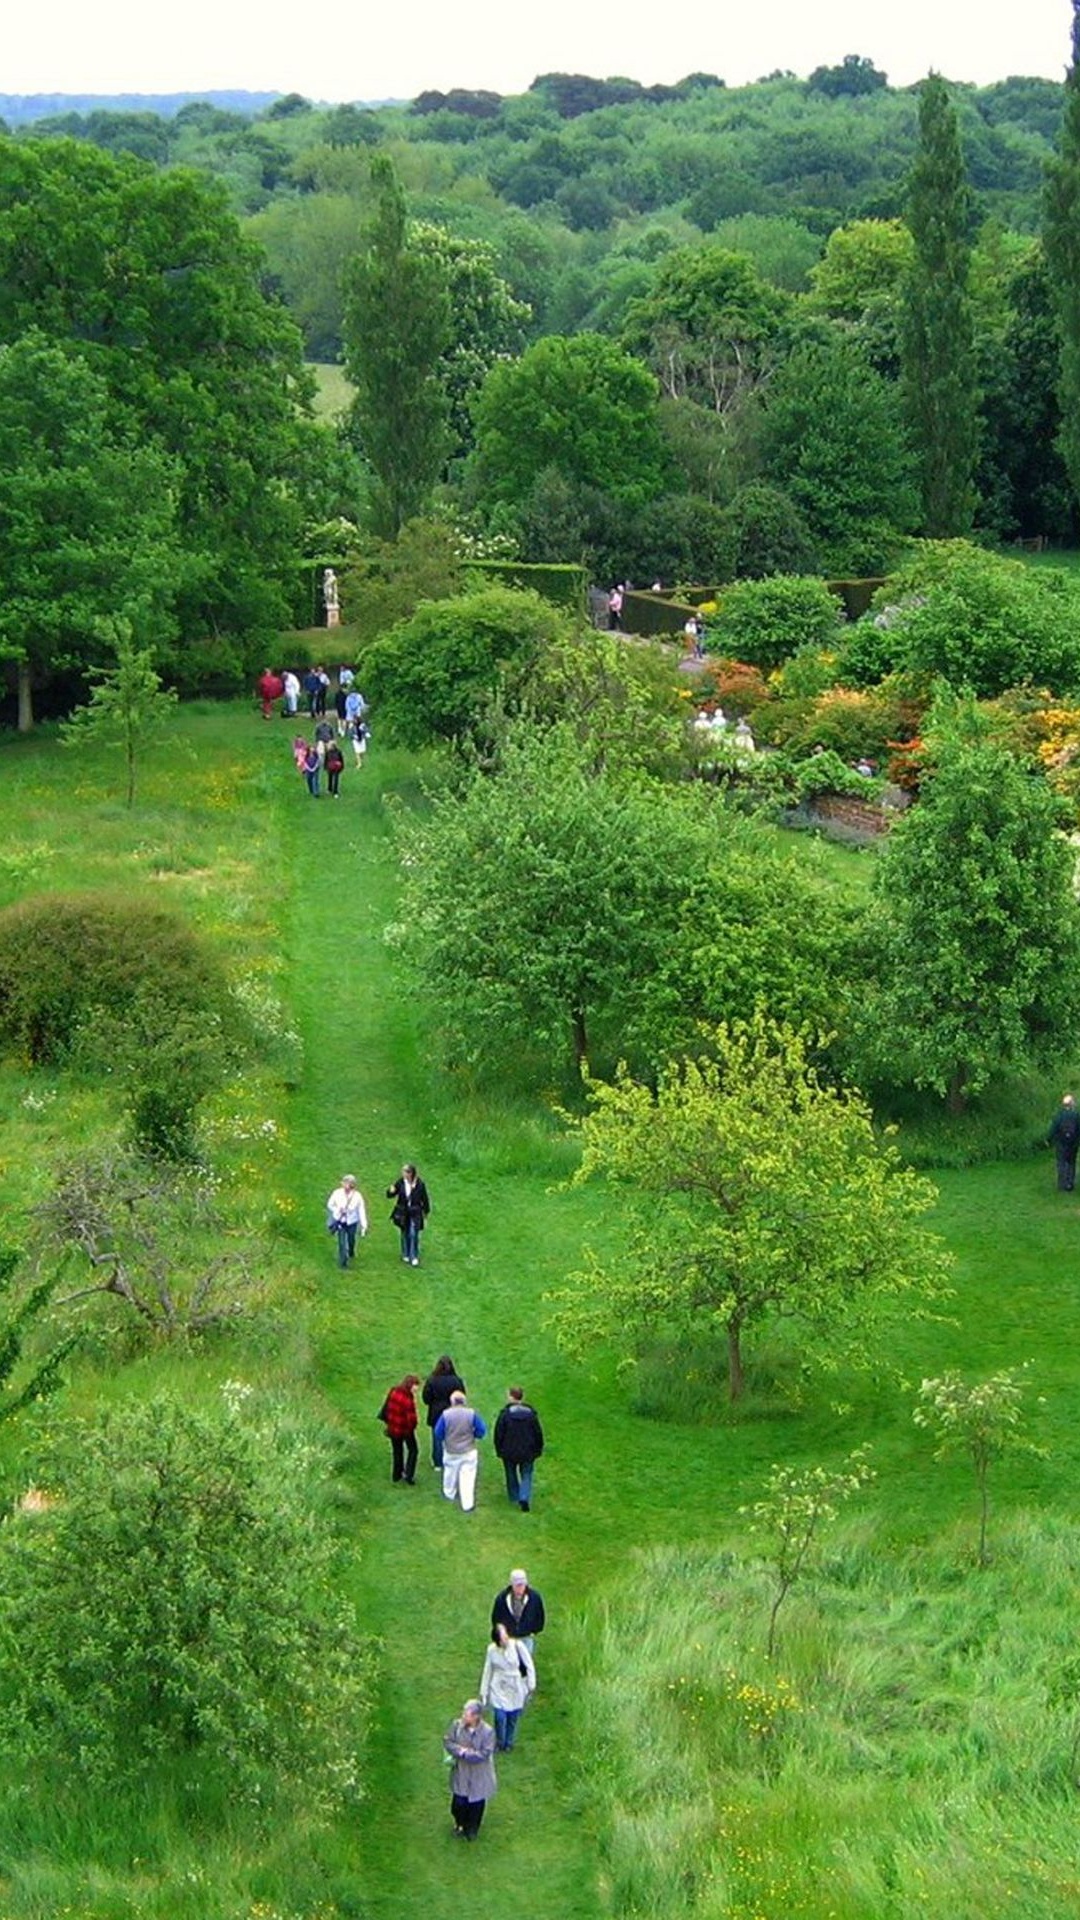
<point x="398" y="1414"/>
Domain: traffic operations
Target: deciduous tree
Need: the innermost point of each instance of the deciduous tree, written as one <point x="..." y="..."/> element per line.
<point x="1061" y="241"/>
<point x="751" y="1189"/>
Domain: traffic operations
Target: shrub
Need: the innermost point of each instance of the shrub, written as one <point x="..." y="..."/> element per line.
<point x="982" y="621"/>
<point x="174" y="1603"/>
<point x="432" y="676"/>
<point x="740" y="688"/>
<point x="766" y="621"/>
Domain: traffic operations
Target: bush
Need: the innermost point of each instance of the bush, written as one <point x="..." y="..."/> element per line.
<point x="766" y="621"/>
<point x="109" y="984"/>
<point x="982" y="621"/>
<point x="563" y="585"/>
<point x="433" y="675"/>
<point x="174" y="1604"/>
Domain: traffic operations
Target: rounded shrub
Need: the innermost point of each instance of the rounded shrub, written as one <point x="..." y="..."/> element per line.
<point x="765" y="621"/>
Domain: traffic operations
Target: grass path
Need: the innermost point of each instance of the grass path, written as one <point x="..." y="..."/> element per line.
<point x="500" y="1235"/>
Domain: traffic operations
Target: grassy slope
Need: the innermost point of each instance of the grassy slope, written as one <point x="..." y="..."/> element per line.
<point x="501" y="1233"/>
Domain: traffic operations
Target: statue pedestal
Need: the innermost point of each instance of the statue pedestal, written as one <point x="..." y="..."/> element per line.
<point x="333" y="616"/>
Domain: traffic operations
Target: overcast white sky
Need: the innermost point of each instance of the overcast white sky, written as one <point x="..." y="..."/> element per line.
<point x="343" y="50"/>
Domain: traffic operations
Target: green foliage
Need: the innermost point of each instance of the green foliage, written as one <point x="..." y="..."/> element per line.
<point x="128" y="705"/>
<point x="834" y="442"/>
<point x="978" y="924"/>
<point x="707" y="327"/>
<point x="397" y="323"/>
<point x="979" y="620"/>
<point x="541" y="901"/>
<point x="1061" y="242"/>
<point x="766" y="534"/>
<point x="86" y="518"/>
<point x="581" y="407"/>
<point x="766" y="621"/>
<point x="386" y="580"/>
<point x="939" y="369"/>
<point x="798" y="1503"/>
<point x="563" y="585"/>
<point x="25" y="1377"/>
<point x="173" y="1607"/>
<point x="486" y="323"/>
<point x="983" y="1419"/>
<point x="203" y="371"/>
<point x="433" y="675"/>
<point x="752" y="1189"/>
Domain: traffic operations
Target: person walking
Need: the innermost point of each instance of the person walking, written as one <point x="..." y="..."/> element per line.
<point x="335" y="767"/>
<point x="470" y="1742"/>
<point x="312" y="689"/>
<point x="442" y="1381"/>
<point x="506" y="1683"/>
<point x="270" y="688"/>
<point x="291" y="688"/>
<point x="398" y="1414"/>
<point x="520" y="1609"/>
<point x="411" y="1209"/>
<point x="519" y="1442"/>
<point x="1064" y="1137"/>
<point x="457" y="1431"/>
<point x="346" y="1215"/>
<point x="359" y="734"/>
<point x="310" y="769"/>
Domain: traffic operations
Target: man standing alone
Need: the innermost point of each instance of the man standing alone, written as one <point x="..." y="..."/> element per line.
<point x="1064" y="1137"/>
<point x="519" y="1442"/>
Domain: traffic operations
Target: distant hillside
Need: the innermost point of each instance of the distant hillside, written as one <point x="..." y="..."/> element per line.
<point x="20" y="108"/>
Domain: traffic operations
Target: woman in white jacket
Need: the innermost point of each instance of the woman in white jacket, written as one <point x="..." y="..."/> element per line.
<point x="506" y="1683"/>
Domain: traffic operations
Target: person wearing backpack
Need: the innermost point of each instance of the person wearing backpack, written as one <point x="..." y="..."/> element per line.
<point x="335" y="767"/>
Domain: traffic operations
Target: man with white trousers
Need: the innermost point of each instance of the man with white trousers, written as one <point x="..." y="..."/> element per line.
<point x="458" y="1430"/>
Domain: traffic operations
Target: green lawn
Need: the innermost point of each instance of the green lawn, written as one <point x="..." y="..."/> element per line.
<point x="301" y="893"/>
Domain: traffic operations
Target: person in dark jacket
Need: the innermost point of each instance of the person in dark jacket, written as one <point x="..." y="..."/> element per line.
<point x="411" y="1209"/>
<point x="519" y="1442"/>
<point x="1064" y="1137"/>
<point x="398" y="1414"/>
<point x="335" y="767"/>
<point x="519" y="1608"/>
<point x="442" y="1381"/>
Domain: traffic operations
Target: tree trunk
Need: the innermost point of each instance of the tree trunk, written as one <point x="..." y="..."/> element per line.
<point x="581" y="1038"/>
<point x="735" y="1365"/>
<point x="26" y="698"/>
<point x="956" y="1098"/>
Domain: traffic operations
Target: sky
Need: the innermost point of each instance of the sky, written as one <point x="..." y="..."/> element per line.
<point x="334" y="50"/>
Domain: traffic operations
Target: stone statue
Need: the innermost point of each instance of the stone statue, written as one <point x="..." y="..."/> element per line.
<point x="330" y="597"/>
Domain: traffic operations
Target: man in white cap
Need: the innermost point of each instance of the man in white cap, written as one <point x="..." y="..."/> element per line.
<point x="519" y="1608"/>
<point x="346" y="1214"/>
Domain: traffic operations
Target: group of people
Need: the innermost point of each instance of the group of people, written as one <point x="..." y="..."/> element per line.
<point x="508" y="1675"/>
<point x="507" y="1683"/>
<point x="346" y="1214"/>
<point x="323" y="753"/>
<point x="456" y="1432"/>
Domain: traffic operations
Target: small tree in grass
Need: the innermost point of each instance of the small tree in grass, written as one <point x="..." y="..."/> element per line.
<point x="20" y="1385"/>
<point x="128" y="704"/>
<point x="984" y="1419"/>
<point x="754" y="1189"/>
<point x="799" y="1502"/>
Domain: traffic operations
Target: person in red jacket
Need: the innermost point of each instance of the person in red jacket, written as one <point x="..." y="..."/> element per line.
<point x="398" y="1414"/>
<point x="271" y="687"/>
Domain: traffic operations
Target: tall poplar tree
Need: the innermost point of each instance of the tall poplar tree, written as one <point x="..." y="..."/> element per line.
<point x="938" y="350"/>
<point x="1061" y="242"/>
<point x="396" y="326"/>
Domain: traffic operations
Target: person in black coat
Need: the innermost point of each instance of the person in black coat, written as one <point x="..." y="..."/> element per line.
<point x="519" y="1608"/>
<point x="1064" y="1137"/>
<point x="519" y="1442"/>
<point x="442" y="1381"/>
<point x="411" y="1209"/>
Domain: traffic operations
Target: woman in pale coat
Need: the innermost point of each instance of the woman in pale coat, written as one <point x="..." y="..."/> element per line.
<point x="508" y="1679"/>
<point x="470" y="1742"/>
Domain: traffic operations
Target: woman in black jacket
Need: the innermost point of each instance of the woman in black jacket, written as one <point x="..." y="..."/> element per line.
<point x="442" y="1381"/>
<point x="411" y="1209"/>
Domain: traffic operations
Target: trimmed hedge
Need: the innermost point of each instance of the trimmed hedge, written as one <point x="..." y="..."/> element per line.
<point x="649" y="615"/>
<point x="563" y="584"/>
